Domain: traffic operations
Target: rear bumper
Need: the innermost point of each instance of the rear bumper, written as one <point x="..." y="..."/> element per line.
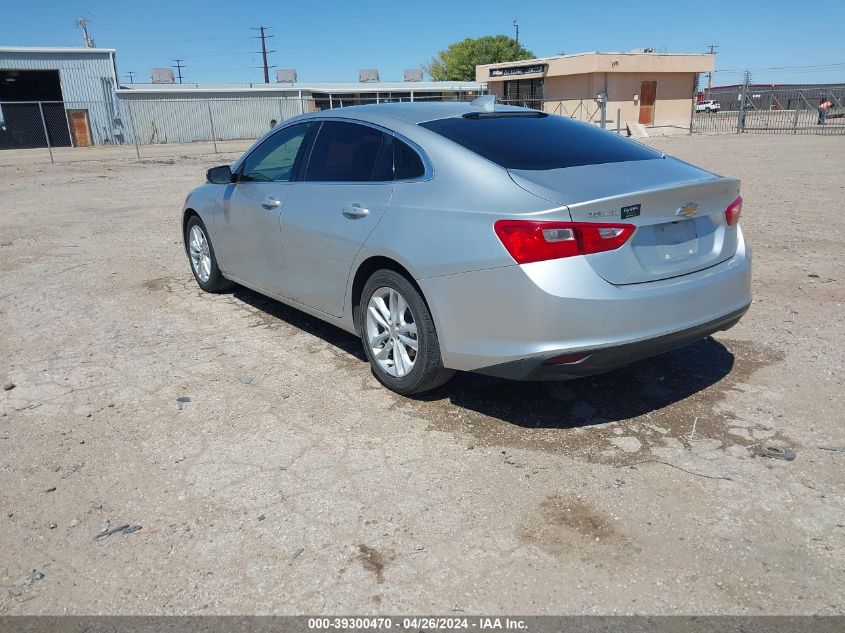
<point x="510" y="320"/>
<point x="608" y="358"/>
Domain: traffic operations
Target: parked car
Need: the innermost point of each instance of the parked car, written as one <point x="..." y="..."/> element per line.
<point x="708" y="106"/>
<point x="472" y="237"/>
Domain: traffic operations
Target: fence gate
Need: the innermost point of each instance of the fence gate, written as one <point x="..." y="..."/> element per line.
<point x="773" y="110"/>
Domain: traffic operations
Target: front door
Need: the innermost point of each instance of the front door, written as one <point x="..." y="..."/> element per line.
<point x="249" y="232"/>
<point x="329" y="214"/>
<point x="648" y="95"/>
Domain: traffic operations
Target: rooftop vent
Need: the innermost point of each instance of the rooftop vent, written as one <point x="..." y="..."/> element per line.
<point x="414" y="74"/>
<point x="368" y="74"/>
<point x="643" y="50"/>
<point x="162" y="76"/>
<point x="286" y="75"/>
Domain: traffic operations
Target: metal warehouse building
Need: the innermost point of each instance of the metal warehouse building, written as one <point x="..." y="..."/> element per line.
<point x="76" y="90"/>
<point x="71" y="97"/>
<point x="184" y="113"/>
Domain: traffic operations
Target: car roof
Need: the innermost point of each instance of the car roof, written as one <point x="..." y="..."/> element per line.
<point x="398" y="117"/>
<point x="402" y="118"/>
<point x="408" y="112"/>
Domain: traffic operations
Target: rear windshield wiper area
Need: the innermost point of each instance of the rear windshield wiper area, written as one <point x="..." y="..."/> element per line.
<point x="505" y="115"/>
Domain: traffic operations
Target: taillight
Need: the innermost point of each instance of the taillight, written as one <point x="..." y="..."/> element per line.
<point x="530" y="241"/>
<point x="733" y="212"/>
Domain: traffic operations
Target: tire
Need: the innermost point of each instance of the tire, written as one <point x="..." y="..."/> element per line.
<point x="202" y="259"/>
<point x="394" y="331"/>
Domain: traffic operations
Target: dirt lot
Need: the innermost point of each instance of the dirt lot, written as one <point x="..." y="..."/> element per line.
<point x="292" y="483"/>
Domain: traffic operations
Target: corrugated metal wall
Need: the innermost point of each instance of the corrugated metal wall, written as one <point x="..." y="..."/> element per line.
<point x="186" y="120"/>
<point x="87" y="81"/>
<point x="84" y="76"/>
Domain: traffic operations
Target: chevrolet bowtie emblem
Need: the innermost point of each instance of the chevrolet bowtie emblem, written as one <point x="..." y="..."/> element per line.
<point x="687" y="210"/>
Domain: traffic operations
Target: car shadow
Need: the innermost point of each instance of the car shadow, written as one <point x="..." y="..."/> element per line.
<point x="635" y="390"/>
<point x="329" y="333"/>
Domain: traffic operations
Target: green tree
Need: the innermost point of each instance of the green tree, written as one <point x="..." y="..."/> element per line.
<point x="458" y="62"/>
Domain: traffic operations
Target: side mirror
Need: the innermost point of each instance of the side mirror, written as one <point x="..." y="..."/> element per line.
<point x="221" y="175"/>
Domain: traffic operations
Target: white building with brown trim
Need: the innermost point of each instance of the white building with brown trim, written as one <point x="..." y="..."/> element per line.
<point x="655" y="89"/>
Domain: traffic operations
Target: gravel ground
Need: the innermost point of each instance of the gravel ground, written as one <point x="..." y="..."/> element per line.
<point x="292" y="483"/>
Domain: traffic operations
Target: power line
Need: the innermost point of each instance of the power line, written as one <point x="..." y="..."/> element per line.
<point x="264" y="37"/>
<point x="228" y="55"/>
<point x="219" y="70"/>
<point x="179" y="66"/>
<point x="822" y="66"/>
<point x="131" y="74"/>
<point x="200" y="39"/>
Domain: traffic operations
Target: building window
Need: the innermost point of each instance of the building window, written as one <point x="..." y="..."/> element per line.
<point x="527" y="93"/>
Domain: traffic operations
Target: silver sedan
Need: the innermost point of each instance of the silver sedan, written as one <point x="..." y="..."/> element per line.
<point x="475" y="237"/>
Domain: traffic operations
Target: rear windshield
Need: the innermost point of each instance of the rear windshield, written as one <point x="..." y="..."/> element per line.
<point x="538" y="141"/>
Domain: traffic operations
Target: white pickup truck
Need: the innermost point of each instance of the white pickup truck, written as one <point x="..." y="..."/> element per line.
<point x="708" y="106"/>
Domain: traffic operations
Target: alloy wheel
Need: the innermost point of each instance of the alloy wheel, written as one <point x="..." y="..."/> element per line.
<point x="392" y="332"/>
<point x="200" y="253"/>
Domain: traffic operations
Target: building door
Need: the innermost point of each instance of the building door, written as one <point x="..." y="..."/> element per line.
<point x="648" y="95"/>
<point x="80" y="127"/>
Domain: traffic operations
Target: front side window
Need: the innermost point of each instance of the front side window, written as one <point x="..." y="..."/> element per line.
<point x="349" y="152"/>
<point x="274" y="159"/>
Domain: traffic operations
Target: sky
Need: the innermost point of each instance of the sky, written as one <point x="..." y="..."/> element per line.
<point x="778" y="41"/>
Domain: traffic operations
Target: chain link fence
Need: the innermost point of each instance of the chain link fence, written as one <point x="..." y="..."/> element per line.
<point x="146" y="127"/>
<point x="784" y="111"/>
<point x="137" y="128"/>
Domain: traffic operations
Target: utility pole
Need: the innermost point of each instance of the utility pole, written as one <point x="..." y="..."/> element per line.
<point x="82" y="23"/>
<point x="264" y="37"/>
<point x="516" y="26"/>
<point x="740" y="121"/>
<point x="713" y="51"/>
<point x="131" y="74"/>
<point x="178" y="66"/>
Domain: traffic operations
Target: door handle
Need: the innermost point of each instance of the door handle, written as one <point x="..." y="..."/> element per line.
<point x="271" y="203"/>
<point x="355" y="211"/>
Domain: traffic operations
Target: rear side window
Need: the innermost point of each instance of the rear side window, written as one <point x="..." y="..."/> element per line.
<point x="537" y="141"/>
<point x="348" y="152"/>
<point x="407" y="163"/>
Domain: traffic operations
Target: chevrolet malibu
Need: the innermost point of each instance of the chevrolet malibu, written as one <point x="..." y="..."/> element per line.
<point x="475" y="237"/>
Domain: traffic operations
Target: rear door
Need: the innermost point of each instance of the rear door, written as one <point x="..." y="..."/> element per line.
<point x="347" y="184"/>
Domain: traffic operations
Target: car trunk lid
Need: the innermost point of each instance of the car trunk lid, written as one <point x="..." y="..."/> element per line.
<point x="678" y="211"/>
